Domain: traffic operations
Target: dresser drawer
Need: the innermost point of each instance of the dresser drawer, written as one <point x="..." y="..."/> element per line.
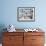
<point x="13" y="33"/>
<point x="37" y="39"/>
<point x="12" y="39"/>
<point x="37" y="44"/>
<point x="13" y="44"/>
<point x="34" y="33"/>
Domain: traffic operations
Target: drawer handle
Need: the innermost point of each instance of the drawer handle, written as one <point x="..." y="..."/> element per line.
<point x="11" y="38"/>
<point x="33" y="39"/>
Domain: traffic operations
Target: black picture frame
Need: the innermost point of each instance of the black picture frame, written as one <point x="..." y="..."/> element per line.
<point x="26" y="14"/>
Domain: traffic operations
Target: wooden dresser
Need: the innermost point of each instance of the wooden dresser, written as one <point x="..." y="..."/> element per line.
<point x="23" y="39"/>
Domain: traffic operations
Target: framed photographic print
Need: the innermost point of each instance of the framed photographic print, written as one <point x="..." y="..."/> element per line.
<point x="25" y="14"/>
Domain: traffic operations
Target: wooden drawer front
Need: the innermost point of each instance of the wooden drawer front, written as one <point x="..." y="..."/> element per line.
<point x="37" y="45"/>
<point x="37" y="39"/>
<point x="13" y="33"/>
<point x="33" y="33"/>
<point x="5" y="40"/>
<point x="18" y="44"/>
<point x="27" y="41"/>
<point x="12" y="39"/>
<point x="8" y="45"/>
